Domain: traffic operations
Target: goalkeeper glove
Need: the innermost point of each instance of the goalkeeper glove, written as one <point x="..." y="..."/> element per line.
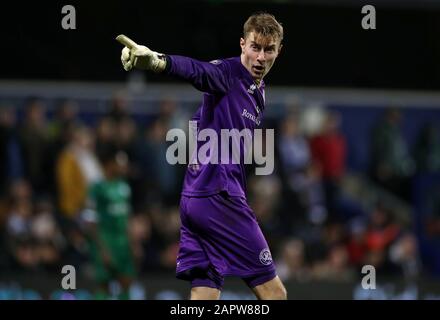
<point x="134" y="55"/>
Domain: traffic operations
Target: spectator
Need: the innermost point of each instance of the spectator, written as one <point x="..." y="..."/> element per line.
<point x="119" y="107"/>
<point x="336" y="267"/>
<point x="431" y="221"/>
<point x="329" y="155"/>
<point x="391" y="163"/>
<point x="65" y="116"/>
<point x="174" y="115"/>
<point x="140" y="231"/>
<point x="105" y="135"/>
<point x="302" y="182"/>
<point x="265" y="197"/>
<point x="11" y="162"/>
<point x="169" y="229"/>
<point x="35" y="144"/>
<point x="357" y="245"/>
<point x="404" y="253"/>
<point x="20" y="244"/>
<point x="427" y="149"/>
<point x="19" y="192"/>
<point x="294" y="155"/>
<point x="77" y="168"/>
<point x="49" y="242"/>
<point x="292" y="264"/>
<point x="19" y="220"/>
<point x="382" y="232"/>
<point x="159" y="176"/>
<point x="126" y="139"/>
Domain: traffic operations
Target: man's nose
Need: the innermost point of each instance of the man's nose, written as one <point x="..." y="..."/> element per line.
<point x="261" y="56"/>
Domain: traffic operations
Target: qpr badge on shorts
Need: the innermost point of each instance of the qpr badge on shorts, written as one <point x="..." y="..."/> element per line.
<point x="265" y="257"/>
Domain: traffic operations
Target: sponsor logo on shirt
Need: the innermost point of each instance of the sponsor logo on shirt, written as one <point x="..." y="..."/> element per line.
<point x="250" y="116"/>
<point x="215" y="62"/>
<point x="265" y="257"/>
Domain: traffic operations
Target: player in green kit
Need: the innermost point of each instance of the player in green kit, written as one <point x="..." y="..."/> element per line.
<point x="107" y="223"/>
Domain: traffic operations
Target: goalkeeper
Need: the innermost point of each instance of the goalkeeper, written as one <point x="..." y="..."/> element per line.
<point x="219" y="234"/>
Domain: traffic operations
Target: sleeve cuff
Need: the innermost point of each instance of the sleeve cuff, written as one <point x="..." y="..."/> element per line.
<point x="168" y="64"/>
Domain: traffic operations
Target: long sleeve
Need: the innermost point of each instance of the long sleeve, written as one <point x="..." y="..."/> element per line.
<point x="211" y="77"/>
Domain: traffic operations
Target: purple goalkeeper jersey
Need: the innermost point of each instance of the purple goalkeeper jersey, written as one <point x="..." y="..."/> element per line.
<point x="231" y="101"/>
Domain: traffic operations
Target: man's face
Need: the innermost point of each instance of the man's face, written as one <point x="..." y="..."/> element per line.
<point x="258" y="54"/>
<point x="121" y="164"/>
<point x="117" y="167"/>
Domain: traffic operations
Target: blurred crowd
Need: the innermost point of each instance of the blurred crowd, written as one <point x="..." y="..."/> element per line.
<point x="319" y="231"/>
<point x="49" y="160"/>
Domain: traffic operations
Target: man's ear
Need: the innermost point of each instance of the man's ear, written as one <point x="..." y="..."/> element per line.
<point x="279" y="49"/>
<point x="242" y="44"/>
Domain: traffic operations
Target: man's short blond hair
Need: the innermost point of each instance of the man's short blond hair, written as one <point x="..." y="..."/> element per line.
<point x="265" y="25"/>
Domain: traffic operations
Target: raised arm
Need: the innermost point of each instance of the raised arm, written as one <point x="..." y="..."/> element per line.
<point x="211" y="77"/>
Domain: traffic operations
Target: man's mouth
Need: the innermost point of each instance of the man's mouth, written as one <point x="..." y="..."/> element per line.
<point x="258" y="69"/>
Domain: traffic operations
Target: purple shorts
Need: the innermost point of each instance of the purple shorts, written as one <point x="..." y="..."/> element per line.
<point x="220" y="237"/>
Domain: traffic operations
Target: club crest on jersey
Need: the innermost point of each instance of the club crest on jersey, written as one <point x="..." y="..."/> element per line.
<point x="215" y="62"/>
<point x="265" y="257"/>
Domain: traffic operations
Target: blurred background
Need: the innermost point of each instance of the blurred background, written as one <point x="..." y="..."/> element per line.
<point x="356" y="115"/>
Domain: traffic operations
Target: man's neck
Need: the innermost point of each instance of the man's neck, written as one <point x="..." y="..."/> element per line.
<point x="258" y="82"/>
